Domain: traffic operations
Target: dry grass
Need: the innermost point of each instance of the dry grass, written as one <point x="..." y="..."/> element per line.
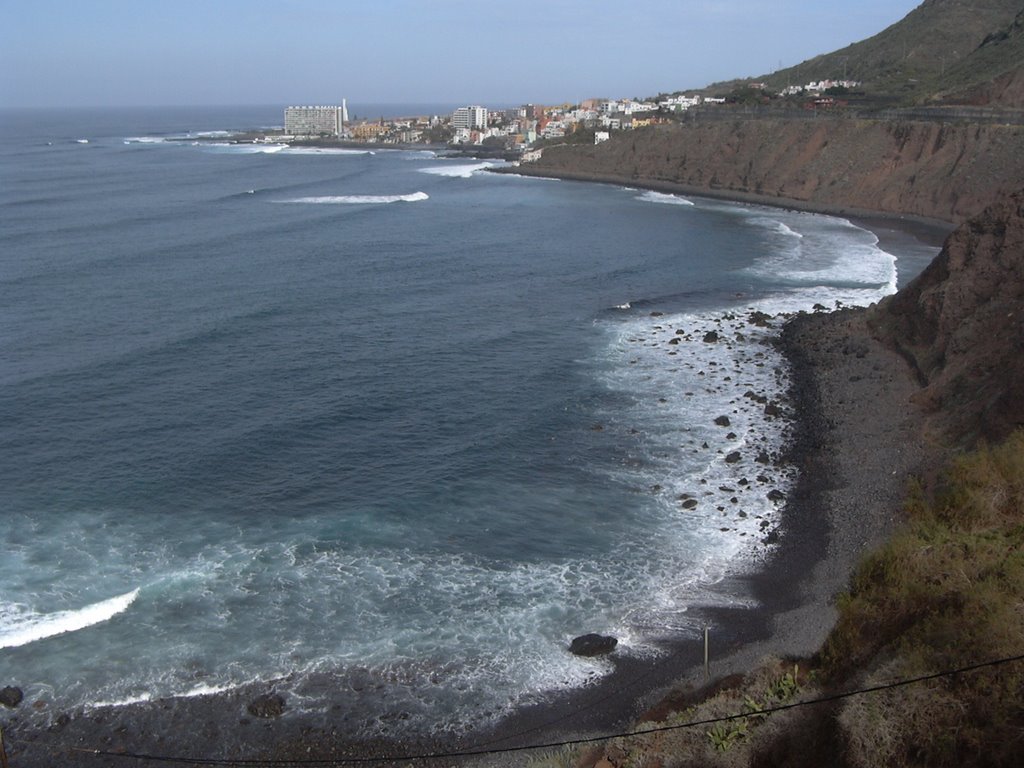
<point x="947" y="592"/>
<point x="724" y="745"/>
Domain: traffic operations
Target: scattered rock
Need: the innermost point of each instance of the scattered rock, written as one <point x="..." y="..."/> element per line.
<point x="763" y="458"/>
<point x="710" y="337"/>
<point x="690" y="504"/>
<point x="776" y="495"/>
<point x="722" y="421"/>
<point x="733" y="457"/>
<point x="268" y="705"/>
<point x="11" y="696"/>
<point x="593" y="645"/>
<point x="772" y="409"/>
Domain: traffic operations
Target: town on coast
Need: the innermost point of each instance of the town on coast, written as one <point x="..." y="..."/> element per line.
<point x="522" y="132"/>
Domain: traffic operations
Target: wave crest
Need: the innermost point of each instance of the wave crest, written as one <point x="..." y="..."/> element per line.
<point x="24" y="628"/>
<point x="651" y="196"/>
<point x="415" y="197"/>
<point x="461" y="171"/>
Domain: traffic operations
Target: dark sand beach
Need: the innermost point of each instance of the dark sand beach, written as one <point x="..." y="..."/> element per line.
<point x="858" y="441"/>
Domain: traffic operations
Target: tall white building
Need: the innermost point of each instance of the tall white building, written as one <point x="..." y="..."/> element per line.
<point x="469" y="117"/>
<point x="313" y="121"/>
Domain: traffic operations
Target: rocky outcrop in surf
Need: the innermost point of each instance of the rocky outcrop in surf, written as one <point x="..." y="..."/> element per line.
<point x="960" y="324"/>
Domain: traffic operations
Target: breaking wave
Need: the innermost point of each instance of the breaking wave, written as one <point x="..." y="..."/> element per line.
<point x="462" y="171"/>
<point x="415" y="197"/>
<point x="663" y="198"/>
<point x="23" y="627"/>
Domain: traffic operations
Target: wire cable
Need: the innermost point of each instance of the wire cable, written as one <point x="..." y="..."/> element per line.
<point x="408" y="758"/>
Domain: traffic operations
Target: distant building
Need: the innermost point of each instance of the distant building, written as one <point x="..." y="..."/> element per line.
<point x="314" y="121"/>
<point x="469" y="117"/>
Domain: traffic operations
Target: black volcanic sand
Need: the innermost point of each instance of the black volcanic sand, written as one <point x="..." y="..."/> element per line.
<point x="857" y="442"/>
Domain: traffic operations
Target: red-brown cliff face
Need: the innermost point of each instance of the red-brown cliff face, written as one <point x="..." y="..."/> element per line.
<point x="936" y="170"/>
<point x="961" y="324"/>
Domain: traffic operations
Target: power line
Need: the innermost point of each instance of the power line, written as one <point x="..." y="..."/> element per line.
<point x="337" y="761"/>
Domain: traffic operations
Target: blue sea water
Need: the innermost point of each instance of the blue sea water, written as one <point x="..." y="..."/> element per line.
<point x="377" y="416"/>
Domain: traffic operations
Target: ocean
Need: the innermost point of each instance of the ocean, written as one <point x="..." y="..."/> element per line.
<point x="379" y="418"/>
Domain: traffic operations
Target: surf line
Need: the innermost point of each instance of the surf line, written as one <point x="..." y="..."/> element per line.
<point x="40" y="626"/>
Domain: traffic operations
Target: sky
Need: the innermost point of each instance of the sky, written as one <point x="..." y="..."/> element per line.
<point x="227" y="52"/>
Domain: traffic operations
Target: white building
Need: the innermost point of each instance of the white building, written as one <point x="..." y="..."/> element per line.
<point x="313" y="121"/>
<point x="469" y="117"/>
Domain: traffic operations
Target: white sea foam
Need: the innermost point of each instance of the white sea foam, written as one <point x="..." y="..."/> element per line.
<point x="22" y="627"/>
<point x="415" y="197"/>
<point x="462" y="171"/>
<point x="126" y="701"/>
<point x="145" y="140"/>
<point x="848" y="269"/>
<point x="324" y="151"/>
<point x="665" y="199"/>
<point x="677" y="384"/>
<point x="786" y="230"/>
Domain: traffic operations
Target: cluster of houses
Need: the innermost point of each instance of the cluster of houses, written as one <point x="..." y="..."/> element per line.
<point x="517" y="128"/>
<point x="520" y="127"/>
<point x="820" y="86"/>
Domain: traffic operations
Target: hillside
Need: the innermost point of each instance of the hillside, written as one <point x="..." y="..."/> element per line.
<point x="939" y="44"/>
<point x="927" y="169"/>
<point x="993" y="74"/>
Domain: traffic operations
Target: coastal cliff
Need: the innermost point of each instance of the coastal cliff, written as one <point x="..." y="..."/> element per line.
<point x="960" y="324"/>
<point x="934" y="170"/>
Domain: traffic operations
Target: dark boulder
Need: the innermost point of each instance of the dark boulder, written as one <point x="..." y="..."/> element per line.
<point x="722" y="421"/>
<point x="733" y="457"/>
<point x="711" y="337"/>
<point x="268" y="705"/>
<point x="11" y="696"/>
<point x="593" y="645"/>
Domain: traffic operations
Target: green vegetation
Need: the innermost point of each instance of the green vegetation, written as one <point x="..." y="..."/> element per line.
<point x="946" y="592"/>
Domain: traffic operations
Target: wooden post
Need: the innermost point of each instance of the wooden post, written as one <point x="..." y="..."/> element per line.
<point x="707" y="667"/>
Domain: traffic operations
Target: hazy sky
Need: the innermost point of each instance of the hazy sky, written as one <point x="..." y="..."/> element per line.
<point x="184" y="52"/>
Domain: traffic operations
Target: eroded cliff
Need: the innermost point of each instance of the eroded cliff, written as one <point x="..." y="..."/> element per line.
<point x="961" y="325"/>
<point x="947" y="171"/>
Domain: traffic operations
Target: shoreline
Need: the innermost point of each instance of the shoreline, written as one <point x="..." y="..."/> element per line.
<point x="931" y="231"/>
<point x="855" y="452"/>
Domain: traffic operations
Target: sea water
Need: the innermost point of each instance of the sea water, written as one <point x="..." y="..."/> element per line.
<point x="269" y="414"/>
